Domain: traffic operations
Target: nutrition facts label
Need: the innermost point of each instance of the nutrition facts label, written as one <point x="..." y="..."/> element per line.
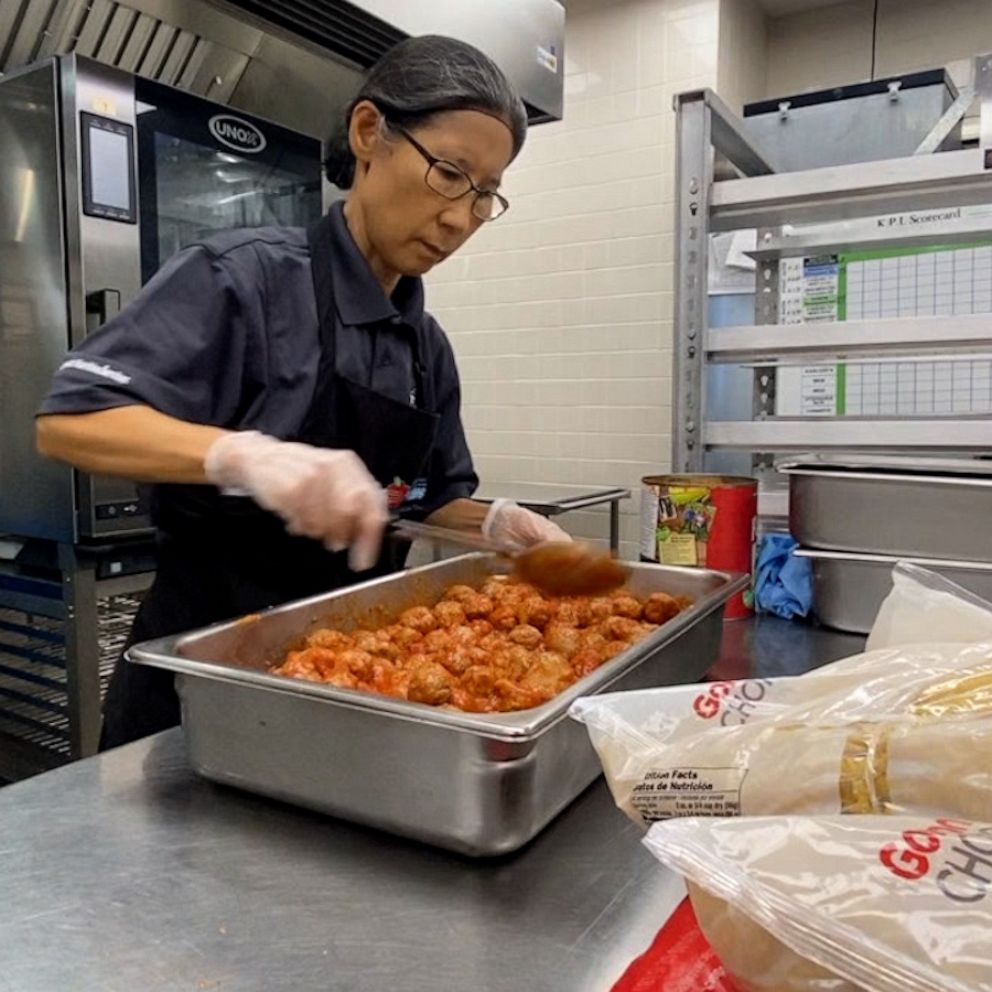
<point x="672" y="792"/>
<point x="865" y="285"/>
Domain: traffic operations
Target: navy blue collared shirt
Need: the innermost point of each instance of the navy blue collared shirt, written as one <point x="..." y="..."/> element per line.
<point x="226" y="334"/>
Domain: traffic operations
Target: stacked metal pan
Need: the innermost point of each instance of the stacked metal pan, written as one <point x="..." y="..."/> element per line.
<point x="856" y="515"/>
<point x="480" y="783"/>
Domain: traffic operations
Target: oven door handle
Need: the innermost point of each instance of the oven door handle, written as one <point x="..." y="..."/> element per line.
<point x="103" y="304"/>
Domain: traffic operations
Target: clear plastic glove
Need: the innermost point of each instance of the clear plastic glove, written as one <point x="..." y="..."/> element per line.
<point x="512" y="525"/>
<point x="323" y="493"/>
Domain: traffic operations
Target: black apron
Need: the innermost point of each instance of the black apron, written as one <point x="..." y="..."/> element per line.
<point x="224" y="556"/>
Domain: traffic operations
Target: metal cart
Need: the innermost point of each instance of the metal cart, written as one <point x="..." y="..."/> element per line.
<point x="63" y="622"/>
<point x="834" y="201"/>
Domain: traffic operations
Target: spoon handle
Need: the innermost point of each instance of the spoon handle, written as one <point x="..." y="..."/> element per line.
<point x="466" y="539"/>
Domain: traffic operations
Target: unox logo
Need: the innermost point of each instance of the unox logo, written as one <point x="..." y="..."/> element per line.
<point x="240" y="135"/>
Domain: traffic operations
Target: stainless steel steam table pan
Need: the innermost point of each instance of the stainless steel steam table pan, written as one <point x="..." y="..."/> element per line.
<point x="848" y="588"/>
<point x="482" y="784"/>
<point x="891" y="505"/>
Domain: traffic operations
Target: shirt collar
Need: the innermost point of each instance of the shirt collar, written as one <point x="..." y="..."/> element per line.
<point x="358" y="296"/>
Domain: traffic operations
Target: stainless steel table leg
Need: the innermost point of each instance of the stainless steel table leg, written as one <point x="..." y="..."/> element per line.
<point x="614" y="525"/>
<point x="82" y="652"/>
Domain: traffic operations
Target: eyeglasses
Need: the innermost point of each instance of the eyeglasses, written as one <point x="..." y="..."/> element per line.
<point x="452" y="183"/>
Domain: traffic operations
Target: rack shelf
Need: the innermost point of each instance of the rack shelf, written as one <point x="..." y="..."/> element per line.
<point x="903" y="204"/>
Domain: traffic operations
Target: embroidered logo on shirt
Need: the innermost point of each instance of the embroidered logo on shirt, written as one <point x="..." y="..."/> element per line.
<point x="104" y="371"/>
<point x="401" y="492"/>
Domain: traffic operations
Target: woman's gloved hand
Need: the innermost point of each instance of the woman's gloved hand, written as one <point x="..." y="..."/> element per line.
<point x="512" y="525"/>
<point x="323" y="493"/>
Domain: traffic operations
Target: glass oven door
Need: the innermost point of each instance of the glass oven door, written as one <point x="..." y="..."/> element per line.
<point x="205" y="168"/>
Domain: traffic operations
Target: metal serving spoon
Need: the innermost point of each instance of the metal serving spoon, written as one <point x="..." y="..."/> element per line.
<point x="558" y="568"/>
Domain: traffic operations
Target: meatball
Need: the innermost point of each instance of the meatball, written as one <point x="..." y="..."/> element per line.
<point x="449" y="614"/>
<point x="429" y="683"/>
<point x="627" y="606"/>
<point x="383" y="677"/>
<point x="477" y="680"/>
<point x="478" y="607"/>
<point x="358" y="663"/>
<point x="463" y="636"/>
<point x="481" y="628"/>
<point x="514" y="593"/>
<point x="325" y="662"/>
<point x="562" y="638"/>
<point x="382" y="646"/>
<point x="600" y="608"/>
<point x="548" y="674"/>
<point x="585" y="661"/>
<point x="612" y="649"/>
<point x="326" y="638"/>
<point x="402" y="636"/>
<point x="503" y="617"/>
<point x="501" y="648"/>
<point x="460" y="659"/>
<point x="341" y="679"/>
<point x="418" y="618"/>
<point x="593" y="639"/>
<point x="494" y="587"/>
<point x="458" y="594"/>
<point x="516" y="661"/>
<point x="620" y="629"/>
<point x="573" y="613"/>
<point x="400" y="681"/>
<point x="299" y="665"/>
<point x="437" y="640"/>
<point x="525" y="635"/>
<point x="365" y="640"/>
<point x="660" y="608"/>
<point x="535" y="611"/>
<point x="493" y="642"/>
<point x="509" y="696"/>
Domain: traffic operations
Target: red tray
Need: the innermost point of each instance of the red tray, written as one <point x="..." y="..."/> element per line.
<point x="678" y="960"/>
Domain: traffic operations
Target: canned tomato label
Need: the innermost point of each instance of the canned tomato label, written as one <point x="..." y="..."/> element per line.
<point x="707" y="521"/>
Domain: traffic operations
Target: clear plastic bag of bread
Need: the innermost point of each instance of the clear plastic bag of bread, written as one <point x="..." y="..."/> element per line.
<point x="925" y="607"/>
<point x="895" y="729"/>
<point x="921" y="602"/>
<point x="840" y="904"/>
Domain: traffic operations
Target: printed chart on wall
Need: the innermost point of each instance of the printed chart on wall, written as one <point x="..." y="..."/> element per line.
<point x="933" y="281"/>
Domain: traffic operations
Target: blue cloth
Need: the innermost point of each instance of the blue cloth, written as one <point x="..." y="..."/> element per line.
<point x="783" y="583"/>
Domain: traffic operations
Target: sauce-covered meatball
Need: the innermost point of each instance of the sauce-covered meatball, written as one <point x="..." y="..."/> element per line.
<point x="499" y="648"/>
<point x="430" y="683"/>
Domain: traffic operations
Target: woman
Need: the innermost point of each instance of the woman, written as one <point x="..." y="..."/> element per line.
<point x="276" y="383"/>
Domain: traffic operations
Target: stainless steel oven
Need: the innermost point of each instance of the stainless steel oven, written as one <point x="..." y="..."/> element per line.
<point x="103" y="176"/>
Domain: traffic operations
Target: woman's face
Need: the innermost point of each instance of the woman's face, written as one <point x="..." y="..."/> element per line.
<point x="408" y="225"/>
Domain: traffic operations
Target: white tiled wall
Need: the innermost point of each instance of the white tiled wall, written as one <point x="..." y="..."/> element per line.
<point x="560" y="313"/>
<point x="743" y="52"/>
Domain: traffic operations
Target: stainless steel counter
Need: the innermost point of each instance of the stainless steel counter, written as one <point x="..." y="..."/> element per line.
<point x="127" y="872"/>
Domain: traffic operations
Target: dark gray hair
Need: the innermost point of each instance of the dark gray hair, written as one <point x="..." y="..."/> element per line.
<point x="420" y="78"/>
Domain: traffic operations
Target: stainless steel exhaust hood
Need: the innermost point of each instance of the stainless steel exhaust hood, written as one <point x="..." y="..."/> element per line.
<point x="293" y="61"/>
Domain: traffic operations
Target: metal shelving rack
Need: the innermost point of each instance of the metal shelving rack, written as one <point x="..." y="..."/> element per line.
<point x="757" y="196"/>
<point x="60" y="635"/>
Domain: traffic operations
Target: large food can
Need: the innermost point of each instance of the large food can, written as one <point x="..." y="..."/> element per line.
<point x="701" y="520"/>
